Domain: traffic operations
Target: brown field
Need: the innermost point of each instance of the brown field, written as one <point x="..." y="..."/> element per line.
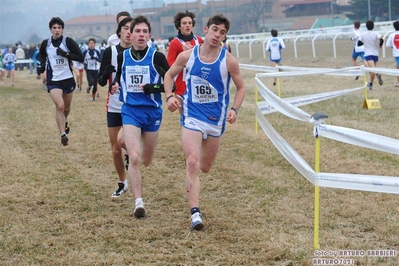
<point x="56" y="206"/>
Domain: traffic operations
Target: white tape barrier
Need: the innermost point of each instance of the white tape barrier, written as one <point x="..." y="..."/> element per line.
<point x="281" y="105"/>
<point x="384" y="71"/>
<point x="286" y="71"/>
<point x="358" y="138"/>
<point x="23" y="61"/>
<point x="372" y="183"/>
<point x="387" y="184"/>
<point x="285" y="149"/>
<point x="266" y="108"/>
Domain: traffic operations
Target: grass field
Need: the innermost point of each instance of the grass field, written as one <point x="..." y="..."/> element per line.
<point x="56" y="206"/>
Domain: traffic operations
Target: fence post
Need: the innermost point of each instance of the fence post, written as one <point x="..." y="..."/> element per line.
<point x="318" y="119"/>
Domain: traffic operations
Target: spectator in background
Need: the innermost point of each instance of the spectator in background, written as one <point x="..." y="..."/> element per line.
<point x="114" y="39"/>
<point x="31" y="52"/>
<point x="225" y="45"/>
<point x="5" y="51"/>
<point x="82" y="47"/>
<point x="102" y="48"/>
<point x="274" y="46"/>
<point x="20" y="55"/>
<point x="151" y="43"/>
<point x="36" y="61"/>
<point x="393" y="42"/>
<point x="2" y="68"/>
<point x="168" y="43"/>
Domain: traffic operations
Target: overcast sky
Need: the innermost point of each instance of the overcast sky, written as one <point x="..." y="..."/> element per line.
<point x="19" y="19"/>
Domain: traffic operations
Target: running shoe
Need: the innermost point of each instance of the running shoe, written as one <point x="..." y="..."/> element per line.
<point x="12" y="84"/>
<point x="196" y="221"/>
<point x="121" y="189"/>
<point x="397" y="84"/>
<point x="66" y="127"/>
<point x="127" y="162"/>
<point x="369" y="86"/>
<point x="380" y="81"/>
<point x="79" y="89"/>
<point x="274" y="83"/>
<point x="98" y="95"/>
<point x="139" y="211"/>
<point x="88" y="89"/>
<point x="93" y="99"/>
<point x="64" y="139"/>
<point x="357" y="77"/>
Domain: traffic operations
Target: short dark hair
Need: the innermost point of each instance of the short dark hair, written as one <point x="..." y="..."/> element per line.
<point x="179" y="15"/>
<point x="122" y="14"/>
<point x="217" y="20"/>
<point x="396" y="25"/>
<point x="56" y="20"/>
<point x="274" y="33"/>
<point x="140" y="19"/>
<point x="370" y="24"/>
<point x="122" y="24"/>
<point x="92" y="39"/>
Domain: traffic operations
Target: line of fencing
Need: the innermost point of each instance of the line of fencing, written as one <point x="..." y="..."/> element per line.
<point x="333" y="34"/>
<point x="289" y="107"/>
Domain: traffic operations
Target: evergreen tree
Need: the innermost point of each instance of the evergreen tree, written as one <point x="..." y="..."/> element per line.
<point x="379" y="10"/>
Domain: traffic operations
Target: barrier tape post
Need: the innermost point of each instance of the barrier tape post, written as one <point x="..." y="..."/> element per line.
<point x="278" y="82"/>
<point x="366" y="88"/>
<point x="256" y="104"/>
<point x="319" y="119"/>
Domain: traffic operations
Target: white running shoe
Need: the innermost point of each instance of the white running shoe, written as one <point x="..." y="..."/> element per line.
<point x="139" y="211"/>
<point x="196" y="221"/>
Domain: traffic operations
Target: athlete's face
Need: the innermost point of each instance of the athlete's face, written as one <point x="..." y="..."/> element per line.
<point x="91" y="45"/>
<point x="56" y="31"/>
<point x="215" y="34"/>
<point x="141" y="35"/>
<point x="186" y="25"/>
<point x="126" y="36"/>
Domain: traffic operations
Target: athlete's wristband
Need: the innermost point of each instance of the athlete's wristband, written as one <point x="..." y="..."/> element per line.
<point x="167" y="98"/>
<point x="235" y="109"/>
<point x="152" y="88"/>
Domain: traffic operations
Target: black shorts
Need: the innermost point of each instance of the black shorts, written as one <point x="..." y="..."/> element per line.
<point x="114" y="119"/>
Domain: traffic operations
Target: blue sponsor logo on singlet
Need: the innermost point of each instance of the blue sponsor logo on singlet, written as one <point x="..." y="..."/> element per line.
<point x="212" y="118"/>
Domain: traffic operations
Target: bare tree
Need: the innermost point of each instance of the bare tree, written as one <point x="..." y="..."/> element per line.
<point x="253" y="11"/>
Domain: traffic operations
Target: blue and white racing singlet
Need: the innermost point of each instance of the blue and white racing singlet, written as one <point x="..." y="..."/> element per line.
<point x="207" y="95"/>
<point x="136" y="72"/>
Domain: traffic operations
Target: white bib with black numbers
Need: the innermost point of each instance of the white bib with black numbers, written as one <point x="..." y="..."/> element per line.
<point x="136" y="75"/>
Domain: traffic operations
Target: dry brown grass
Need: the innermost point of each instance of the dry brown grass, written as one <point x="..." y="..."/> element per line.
<point x="56" y="207"/>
